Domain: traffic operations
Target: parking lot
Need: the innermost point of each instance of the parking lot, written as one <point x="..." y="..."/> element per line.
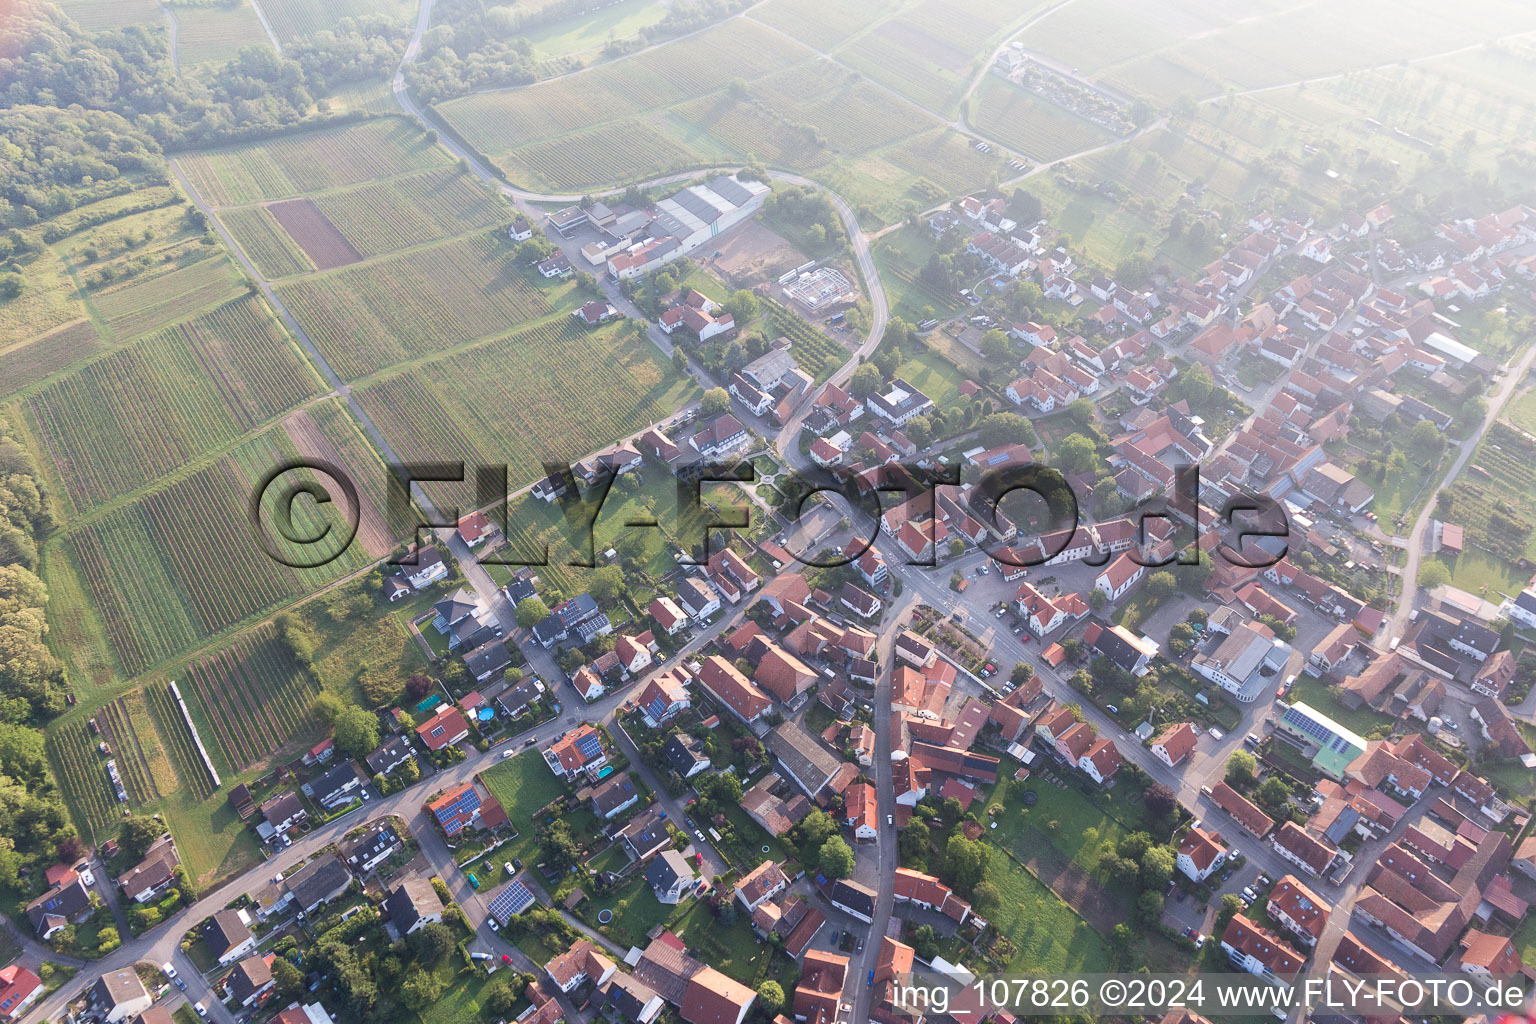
<point x="1183" y="909"/>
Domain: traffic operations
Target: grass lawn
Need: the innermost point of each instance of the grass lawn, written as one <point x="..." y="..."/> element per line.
<point x="1060" y="817"/>
<point x="212" y="840"/>
<point x="460" y="1003"/>
<point x="900" y="257"/>
<point x="538" y="948"/>
<point x="1309" y="689"/>
<point x="1048" y="936"/>
<point x="754" y="837"/>
<point x="1403" y="491"/>
<point x="1473" y="569"/>
<point x="1525" y="937"/>
<point x="591" y="31"/>
<point x="934" y="375"/>
<point x="1521" y="411"/>
<point x="636" y="910"/>
<point x="184" y="1015"/>
<point x="733" y="949"/>
<point x="522" y="785"/>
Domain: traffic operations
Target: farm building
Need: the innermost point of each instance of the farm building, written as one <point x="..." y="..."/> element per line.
<point x="700" y="212"/>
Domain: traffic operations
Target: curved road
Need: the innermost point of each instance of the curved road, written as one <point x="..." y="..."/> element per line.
<point x="1410" y="578"/>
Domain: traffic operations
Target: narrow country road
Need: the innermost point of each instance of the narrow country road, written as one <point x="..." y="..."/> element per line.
<point x="1410" y="577"/>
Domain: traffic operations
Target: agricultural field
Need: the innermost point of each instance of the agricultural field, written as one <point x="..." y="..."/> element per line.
<point x="817" y="353"/>
<point x="149" y="301"/>
<point x="24" y="364"/>
<point x="930" y="51"/>
<point x="1492" y="499"/>
<point x="162" y="772"/>
<point x="592" y="30"/>
<point x="326" y="247"/>
<point x="900" y="258"/>
<point x="143" y="411"/>
<point x="385" y="216"/>
<point x="801" y="117"/>
<point x="81" y="771"/>
<point x="50" y="299"/>
<point x="495" y="122"/>
<point x="309" y="162"/>
<point x="301" y="19"/>
<point x="1285" y="46"/>
<point x="899" y="57"/>
<point x="373" y="96"/>
<point x="1092" y="34"/>
<point x="249" y="699"/>
<point x="363" y="221"/>
<point x="629" y="151"/>
<point x="159" y="570"/>
<point x="263" y="239"/>
<point x="1162" y="79"/>
<point x="947" y="159"/>
<point x="821" y="26"/>
<point x="95" y="15"/>
<point x="371" y="316"/>
<point x="1040" y="130"/>
<point x="216" y="33"/>
<point x="553" y="390"/>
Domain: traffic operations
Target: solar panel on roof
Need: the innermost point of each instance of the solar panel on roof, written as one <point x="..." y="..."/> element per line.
<point x="511" y="901"/>
<point x="729" y="189"/>
<point x="590" y="746"/>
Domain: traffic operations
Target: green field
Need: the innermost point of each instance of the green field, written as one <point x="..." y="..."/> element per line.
<point x="272" y="249"/>
<point x="296" y="19"/>
<point x="1092" y="34"/>
<point x="593" y="30"/>
<point x="934" y="376"/>
<point x="95" y="15"/>
<point x="627" y="151"/>
<point x="386" y="216"/>
<point x="1048" y="935"/>
<point x="550" y="391"/>
<point x="149" y="301"/>
<point x="1040" y="130"/>
<point x="822" y="26"/>
<point x="209" y="34"/>
<point x="522" y="785"/>
<point x="495" y="122"/>
<point x="115" y="424"/>
<point x="26" y="363"/>
<point x="370" y="316"/>
<point x="308" y="162"/>
<point x="900" y="258"/>
<point x="179" y="564"/>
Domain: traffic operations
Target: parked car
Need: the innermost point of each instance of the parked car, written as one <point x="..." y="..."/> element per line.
<point x="510" y="869"/>
<point x="202" y="1011"/>
<point x="1216" y="734"/>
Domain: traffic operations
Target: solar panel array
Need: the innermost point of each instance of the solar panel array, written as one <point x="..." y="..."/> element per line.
<point x="511" y="901"/>
<point x="590" y="745"/>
